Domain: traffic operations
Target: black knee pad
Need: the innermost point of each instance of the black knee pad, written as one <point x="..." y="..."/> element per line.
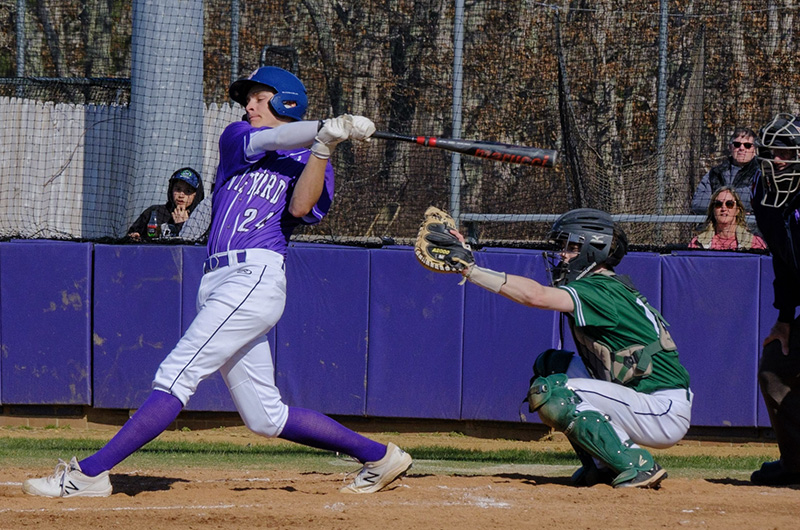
<point x="551" y="362"/>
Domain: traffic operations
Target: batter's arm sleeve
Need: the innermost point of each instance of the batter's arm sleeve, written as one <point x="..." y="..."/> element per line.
<point x="285" y="137"/>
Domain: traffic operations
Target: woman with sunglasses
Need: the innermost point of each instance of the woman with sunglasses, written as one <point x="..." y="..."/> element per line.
<point x="725" y="227"/>
<point x="736" y="171"/>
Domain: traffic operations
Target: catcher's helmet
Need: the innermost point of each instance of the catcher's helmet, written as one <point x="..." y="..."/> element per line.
<point x="778" y="145"/>
<point x="287" y="87"/>
<point x="599" y="240"/>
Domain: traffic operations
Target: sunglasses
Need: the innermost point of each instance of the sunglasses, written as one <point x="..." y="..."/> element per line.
<point x="728" y="204"/>
<point x="737" y="145"/>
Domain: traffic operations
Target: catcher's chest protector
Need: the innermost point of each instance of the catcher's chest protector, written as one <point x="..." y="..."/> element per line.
<point x="627" y="365"/>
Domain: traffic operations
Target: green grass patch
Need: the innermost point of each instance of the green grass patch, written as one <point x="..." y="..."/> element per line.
<point x="26" y="452"/>
<point x="32" y="446"/>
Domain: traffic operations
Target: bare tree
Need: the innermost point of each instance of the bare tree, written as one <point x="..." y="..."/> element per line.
<point x="51" y="37"/>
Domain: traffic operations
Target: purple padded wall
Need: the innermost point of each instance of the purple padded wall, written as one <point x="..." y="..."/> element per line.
<point x="322" y="337"/>
<point x="768" y="315"/>
<point x="45" y="311"/>
<point x="501" y="340"/>
<point x="644" y="268"/>
<point x="715" y="323"/>
<point x="364" y="332"/>
<point x="212" y="394"/>
<point x="415" y="338"/>
<point x="137" y="319"/>
<point x="193" y="258"/>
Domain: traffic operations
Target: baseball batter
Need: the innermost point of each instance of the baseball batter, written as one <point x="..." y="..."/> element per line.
<point x="626" y="388"/>
<point x="273" y="175"/>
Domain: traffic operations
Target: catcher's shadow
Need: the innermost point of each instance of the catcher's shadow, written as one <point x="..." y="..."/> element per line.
<point x="132" y="485"/>
<point x="529" y="480"/>
<point x="536" y="480"/>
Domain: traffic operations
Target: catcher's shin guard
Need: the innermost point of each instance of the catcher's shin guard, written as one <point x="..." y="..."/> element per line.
<point x="590" y="430"/>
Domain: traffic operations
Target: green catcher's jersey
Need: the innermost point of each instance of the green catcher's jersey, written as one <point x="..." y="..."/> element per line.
<point x="609" y="312"/>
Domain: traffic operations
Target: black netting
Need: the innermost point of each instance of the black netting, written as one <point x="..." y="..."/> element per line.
<point x="97" y="116"/>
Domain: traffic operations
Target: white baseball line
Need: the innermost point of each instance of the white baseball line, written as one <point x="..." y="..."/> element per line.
<point x="137" y="508"/>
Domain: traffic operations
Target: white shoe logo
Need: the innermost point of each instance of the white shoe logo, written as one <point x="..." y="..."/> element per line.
<point x="642" y="461"/>
<point x="371" y="478"/>
<point x="69" y="488"/>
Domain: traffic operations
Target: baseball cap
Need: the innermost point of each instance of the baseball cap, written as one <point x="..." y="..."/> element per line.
<point x="188" y="175"/>
<point x="781" y="142"/>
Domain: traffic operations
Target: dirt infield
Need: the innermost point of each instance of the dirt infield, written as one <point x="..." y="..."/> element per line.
<point x="430" y="497"/>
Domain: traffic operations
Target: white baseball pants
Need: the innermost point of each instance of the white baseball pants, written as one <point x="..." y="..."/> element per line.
<point x="657" y="420"/>
<point x="237" y="305"/>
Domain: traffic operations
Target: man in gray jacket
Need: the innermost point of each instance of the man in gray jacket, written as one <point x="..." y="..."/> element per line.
<point x="736" y="171"/>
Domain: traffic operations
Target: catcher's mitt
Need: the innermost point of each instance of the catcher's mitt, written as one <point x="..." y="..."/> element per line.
<point x="436" y="248"/>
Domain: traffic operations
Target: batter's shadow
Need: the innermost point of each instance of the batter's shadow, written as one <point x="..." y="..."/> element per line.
<point x="132" y="485"/>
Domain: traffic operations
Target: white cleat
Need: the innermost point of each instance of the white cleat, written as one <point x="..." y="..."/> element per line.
<point x="69" y="481"/>
<point x="375" y="476"/>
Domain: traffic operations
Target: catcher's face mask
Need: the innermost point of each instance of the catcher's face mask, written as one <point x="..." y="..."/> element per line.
<point x="561" y="263"/>
<point x="579" y="255"/>
<point x="582" y="240"/>
<point x="778" y="153"/>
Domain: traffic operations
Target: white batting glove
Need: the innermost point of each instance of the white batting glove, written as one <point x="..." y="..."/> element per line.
<point x="333" y="131"/>
<point x="363" y="129"/>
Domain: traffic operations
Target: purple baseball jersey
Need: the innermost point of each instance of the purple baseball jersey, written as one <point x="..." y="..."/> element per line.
<point x="251" y="195"/>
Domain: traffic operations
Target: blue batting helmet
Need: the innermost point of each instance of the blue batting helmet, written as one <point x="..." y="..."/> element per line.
<point x="287" y="87"/>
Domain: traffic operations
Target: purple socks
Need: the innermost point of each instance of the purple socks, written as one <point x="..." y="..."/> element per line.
<point x="303" y="426"/>
<point x="154" y="416"/>
<point x="309" y="427"/>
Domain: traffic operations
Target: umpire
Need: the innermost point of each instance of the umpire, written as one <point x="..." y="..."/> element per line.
<point x="776" y="205"/>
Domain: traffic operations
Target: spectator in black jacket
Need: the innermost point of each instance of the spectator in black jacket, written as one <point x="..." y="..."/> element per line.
<point x="184" y="193"/>
<point x="776" y="205"/>
<point x="736" y="171"/>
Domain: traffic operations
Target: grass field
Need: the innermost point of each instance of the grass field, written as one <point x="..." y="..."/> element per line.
<point x="445" y="453"/>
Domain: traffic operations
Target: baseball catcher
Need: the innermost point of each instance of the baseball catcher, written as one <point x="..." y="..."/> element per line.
<point x="626" y="387"/>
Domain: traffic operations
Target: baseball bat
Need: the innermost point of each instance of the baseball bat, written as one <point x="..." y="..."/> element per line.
<point x="512" y="154"/>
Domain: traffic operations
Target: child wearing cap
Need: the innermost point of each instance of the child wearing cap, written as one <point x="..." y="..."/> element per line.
<point x="158" y="221"/>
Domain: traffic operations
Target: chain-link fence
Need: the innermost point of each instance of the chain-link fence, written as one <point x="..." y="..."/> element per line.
<point x="640" y="101"/>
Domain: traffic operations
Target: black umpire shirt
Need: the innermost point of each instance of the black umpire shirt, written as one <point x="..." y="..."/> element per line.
<point x="781" y="230"/>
